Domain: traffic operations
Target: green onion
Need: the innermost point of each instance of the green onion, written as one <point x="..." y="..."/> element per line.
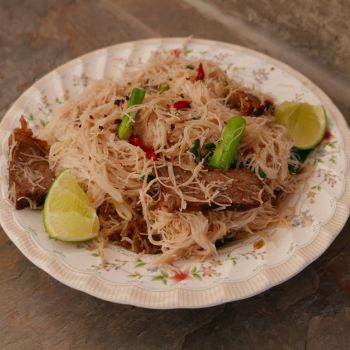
<point x="300" y="155"/>
<point x="228" y="144"/>
<point x="125" y="127"/>
<point x="150" y="177"/>
<point x="164" y="87"/>
<point x="195" y="150"/>
<point x="223" y="241"/>
<point x="209" y="146"/>
<point x="262" y="174"/>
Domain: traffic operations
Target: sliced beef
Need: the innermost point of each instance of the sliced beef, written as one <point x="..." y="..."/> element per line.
<point x="29" y="172"/>
<point x="248" y="104"/>
<point x="239" y="189"/>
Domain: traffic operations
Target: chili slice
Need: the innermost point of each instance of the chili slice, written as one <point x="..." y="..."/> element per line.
<point x="176" y="52"/>
<point x="200" y="72"/>
<point x="137" y="141"/>
<point x="183" y="104"/>
<point x="328" y="135"/>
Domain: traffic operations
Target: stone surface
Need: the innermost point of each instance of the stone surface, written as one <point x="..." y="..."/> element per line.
<point x="329" y="332"/>
<point x="310" y="311"/>
<point x="324" y="27"/>
<point x="263" y="25"/>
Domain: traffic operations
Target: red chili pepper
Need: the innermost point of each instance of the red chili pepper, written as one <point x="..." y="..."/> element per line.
<point x="200" y="72"/>
<point x="176" y="52"/>
<point x="183" y="104"/>
<point x="149" y="152"/>
<point x="328" y="135"/>
<point x="137" y="141"/>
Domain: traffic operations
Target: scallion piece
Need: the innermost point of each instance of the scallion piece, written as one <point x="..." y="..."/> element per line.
<point x="125" y="127"/>
<point x="301" y="156"/>
<point x="228" y="144"/>
<point x="196" y="151"/>
<point x="150" y="177"/>
<point x="209" y="146"/>
<point x="164" y="87"/>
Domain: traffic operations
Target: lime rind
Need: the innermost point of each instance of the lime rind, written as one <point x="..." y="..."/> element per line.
<point x="306" y="124"/>
<point x="68" y="214"/>
<point x="284" y="111"/>
<point x="68" y="181"/>
<point x="71" y="227"/>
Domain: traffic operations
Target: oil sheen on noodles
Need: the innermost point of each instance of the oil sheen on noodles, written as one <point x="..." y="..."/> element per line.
<point x="116" y="174"/>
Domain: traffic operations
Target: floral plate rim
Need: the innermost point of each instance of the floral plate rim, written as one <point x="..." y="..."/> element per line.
<point x="179" y="297"/>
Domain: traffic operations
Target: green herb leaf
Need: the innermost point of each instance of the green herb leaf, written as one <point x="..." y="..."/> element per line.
<point x="150" y="177"/>
<point x="262" y="174"/>
<point x="223" y="241"/>
<point x="195" y="150"/>
<point x="164" y="87"/>
<point x="300" y="155"/>
<point x="209" y="146"/>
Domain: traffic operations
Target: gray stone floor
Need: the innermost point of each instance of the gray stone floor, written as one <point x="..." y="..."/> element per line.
<point x="311" y="311"/>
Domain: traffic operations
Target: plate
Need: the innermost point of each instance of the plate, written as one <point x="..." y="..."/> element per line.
<point x="238" y="271"/>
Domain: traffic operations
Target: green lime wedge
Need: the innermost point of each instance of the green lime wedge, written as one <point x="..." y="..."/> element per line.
<point x="306" y="123"/>
<point x="68" y="214"/>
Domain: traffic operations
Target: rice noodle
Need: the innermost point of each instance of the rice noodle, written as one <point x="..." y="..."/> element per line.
<point x="83" y="138"/>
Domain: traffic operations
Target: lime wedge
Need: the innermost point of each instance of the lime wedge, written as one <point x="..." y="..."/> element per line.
<point x="306" y="123"/>
<point x="68" y="214"/>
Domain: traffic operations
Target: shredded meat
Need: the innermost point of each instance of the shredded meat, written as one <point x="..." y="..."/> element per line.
<point x="134" y="230"/>
<point x="29" y="173"/>
<point x="248" y="104"/>
<point x="238" y="189"/>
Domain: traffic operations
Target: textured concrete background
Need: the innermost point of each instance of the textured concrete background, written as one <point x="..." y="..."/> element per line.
<point x="311" y="311"/>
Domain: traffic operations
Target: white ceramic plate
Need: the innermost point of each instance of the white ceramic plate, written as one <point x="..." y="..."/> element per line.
<point x="239" y="271"/>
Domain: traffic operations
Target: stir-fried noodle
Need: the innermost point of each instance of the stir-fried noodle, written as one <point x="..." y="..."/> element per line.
<point x="125" y="186"/>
